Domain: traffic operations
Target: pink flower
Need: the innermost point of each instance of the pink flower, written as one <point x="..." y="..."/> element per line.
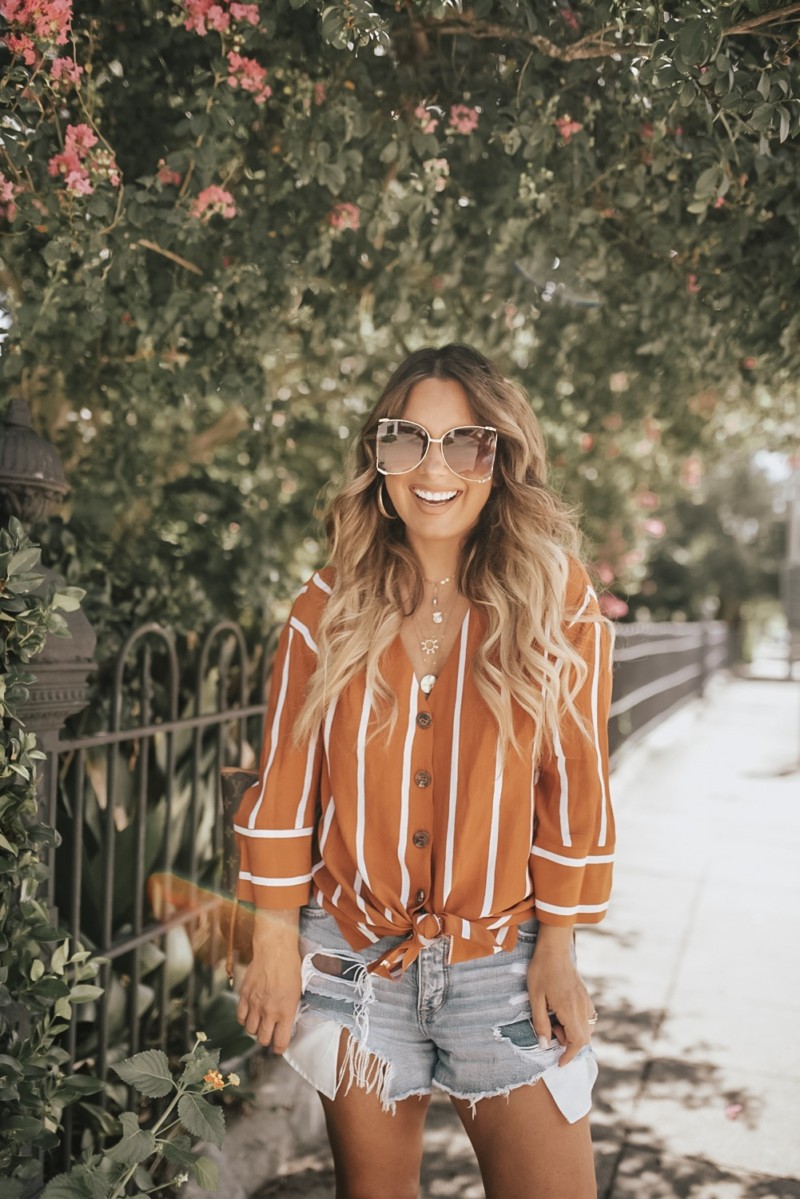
<point x="46" y="21"/>
<point x="567" y="128"/>
<point x="65" y="163"/>
<point x="647" y="499"/>
<point x="320" y="93"/>
<point x="345" y="216"/>
<point x="606" y="572"/>
<point x="78" y="182"/>
<point x="213" y="201"/>
<point x="429" y="124"/>
<point x="249" y="75"/>
<point x="654" y="527"/>
<point x="80" y="138"/>
<point x="65" y="73"/>
<point x="570" y="19"/>
<point x="8" y="193"/>
<point x="437" y="169"/>
<point x="612" y="606"/>
<point x="586" y="442"/>
<point x="245" y="12"/>
<point x="692" y="286"/>
<point x="166" y="175"/>
<point x="24" y="47"/>
<point x="463" y="119"/>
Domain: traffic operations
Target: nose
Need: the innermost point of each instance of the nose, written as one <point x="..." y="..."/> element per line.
<point x="434" y="461"/>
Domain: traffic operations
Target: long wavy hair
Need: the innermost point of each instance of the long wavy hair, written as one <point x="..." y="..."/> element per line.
<point x="513" y="565"/>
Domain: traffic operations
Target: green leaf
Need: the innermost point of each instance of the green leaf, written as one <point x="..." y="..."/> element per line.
<point x="149" y="1072"/>
<point x="179" y="1152"/>
<point x="136" y="1145"/>
<point x="80" y="1183"/>
<point x="22" y="561"/>
<point x="85" y="993"/>
<point x="206" y="1172"/>
<point x="201" y="1119"/>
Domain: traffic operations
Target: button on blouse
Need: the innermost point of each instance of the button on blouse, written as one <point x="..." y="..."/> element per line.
<point x="346" y="814"/>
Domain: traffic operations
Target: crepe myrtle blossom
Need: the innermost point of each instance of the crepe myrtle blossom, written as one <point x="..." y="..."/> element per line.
<point x="203" y="16"/>
<point x="612" y="606"/>
<point x="567" y="128"/>
<point x="428" y="123"/>
<point x="463" y="119"/>
<point x="45" y="21"/>
<point x="83" y="165"/>
<point x="437" y="169"/>
<point x="8" y="193"/>
<point x="249" y="75"/>
<point x="65" y="73"/>
<point x="166" y="175"/>
<point x="213" y="201"/>
<point x="345" y="216"/>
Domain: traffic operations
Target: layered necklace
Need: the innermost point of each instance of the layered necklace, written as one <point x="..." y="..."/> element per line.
<point x="430" y="646"/>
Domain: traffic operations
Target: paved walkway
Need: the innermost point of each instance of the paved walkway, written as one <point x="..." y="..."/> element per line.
<point x="696" y="971"/>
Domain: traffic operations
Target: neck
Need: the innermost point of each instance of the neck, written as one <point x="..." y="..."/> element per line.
<point x="437" y="560"/>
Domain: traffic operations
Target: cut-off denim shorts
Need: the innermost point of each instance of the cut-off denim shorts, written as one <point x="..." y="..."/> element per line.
<point x="465" y="1029"/>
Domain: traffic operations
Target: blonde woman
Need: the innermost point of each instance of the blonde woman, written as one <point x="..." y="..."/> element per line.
<point x="432" y="814"/>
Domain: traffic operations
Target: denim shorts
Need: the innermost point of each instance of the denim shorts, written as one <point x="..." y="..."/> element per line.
<point x="465" y="1028"/>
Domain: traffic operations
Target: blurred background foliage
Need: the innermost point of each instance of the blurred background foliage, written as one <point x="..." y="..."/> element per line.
<point x="602" y="196"/>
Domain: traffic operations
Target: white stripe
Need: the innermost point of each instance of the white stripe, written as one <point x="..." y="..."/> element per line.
<point x="276" y="722"/>
<point x="318" y="866"/>
<point x="501" y="936"/>
<point x="534" y="781"/>
<point x="328" y="722"/>
<point x="589" y="594"/>
<point x="361" y="812"/>
<point x="304" y="632"/>
<point x="260" y="881"/>
<point x="405" y="787"/>
<point x="563" y="806"/>
<point x="388" y="914"/>
<point x="323" y="586"/>
<point x="451" y="810"/>
<point x="336" y="896"/>
<point x="596" y="732"/>
<point x="357" y="892"/>
<point x="582" y="907"/>
<point x="302" y="807"/>
<point x="274" y="832"/>
<point x="499" y="923"/>
<point x="368" y="933"/>
<point x="589" y="860"/>
<point x="326" y="824"/>
<point x="491" y="864"/>
<point x="466" y="929"/>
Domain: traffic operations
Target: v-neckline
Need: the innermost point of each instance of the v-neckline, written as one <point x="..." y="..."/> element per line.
<point x="443" y="667"/>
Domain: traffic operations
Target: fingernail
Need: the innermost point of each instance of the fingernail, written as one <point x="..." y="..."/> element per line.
<point x="544" y="1043"/>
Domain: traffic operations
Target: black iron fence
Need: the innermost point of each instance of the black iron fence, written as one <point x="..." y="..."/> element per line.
<point x="138" y="804"/>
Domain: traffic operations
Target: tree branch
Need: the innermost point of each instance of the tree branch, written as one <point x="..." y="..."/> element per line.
<point x="184" y="262"/>
<point x="766" y="18"/>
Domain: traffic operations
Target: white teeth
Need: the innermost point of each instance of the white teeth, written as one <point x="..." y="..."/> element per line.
<point x="435" y="497"/>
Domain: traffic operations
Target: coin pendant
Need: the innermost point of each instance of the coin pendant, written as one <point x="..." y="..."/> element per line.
<point x="426" y="683"/>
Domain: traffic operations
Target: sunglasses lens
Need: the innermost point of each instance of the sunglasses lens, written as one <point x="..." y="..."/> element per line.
<point x="469" y="452"/>
<point x="400" y="446"/>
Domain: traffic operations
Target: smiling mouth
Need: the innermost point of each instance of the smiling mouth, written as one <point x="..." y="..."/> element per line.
<point x="434" y="499"/>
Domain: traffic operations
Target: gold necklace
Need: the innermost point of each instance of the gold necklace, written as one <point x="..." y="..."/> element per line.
<point x="430" y="648"/>
<point x="437" y="615"/>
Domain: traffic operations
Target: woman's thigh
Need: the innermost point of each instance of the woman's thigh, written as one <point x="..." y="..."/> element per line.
<point x="375" y="1152"/>
<point x="525" y="1147"/>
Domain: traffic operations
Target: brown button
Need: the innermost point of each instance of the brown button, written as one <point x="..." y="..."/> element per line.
<point x="422" y="778"/>
<point x="424" y="720"/>
<point x="421" y="838"/>
<point x="419" y="897"/>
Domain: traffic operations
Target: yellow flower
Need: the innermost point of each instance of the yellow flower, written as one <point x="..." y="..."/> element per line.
<point x="200" y="1036"/>
<point x="214" y="1079"/>
<point x="234" y="1080"/>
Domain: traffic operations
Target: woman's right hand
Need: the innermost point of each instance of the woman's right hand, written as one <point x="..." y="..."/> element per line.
<point x="271" y="989"/>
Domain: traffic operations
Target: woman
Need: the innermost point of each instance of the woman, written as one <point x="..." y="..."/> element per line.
<point x="432" y="812"/>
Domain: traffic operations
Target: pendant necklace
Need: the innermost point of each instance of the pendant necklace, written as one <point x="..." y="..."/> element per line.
<point x="430" y="645"/>
<point x="437" y="615"/>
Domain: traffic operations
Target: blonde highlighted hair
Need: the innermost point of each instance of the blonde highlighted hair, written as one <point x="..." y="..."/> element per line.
<point x="513" y="566"/>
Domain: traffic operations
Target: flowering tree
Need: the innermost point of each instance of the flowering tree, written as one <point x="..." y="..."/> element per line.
<point x="225" y="222"/>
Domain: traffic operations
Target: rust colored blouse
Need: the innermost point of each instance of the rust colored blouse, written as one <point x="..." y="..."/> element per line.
<point x="431" y="830"/>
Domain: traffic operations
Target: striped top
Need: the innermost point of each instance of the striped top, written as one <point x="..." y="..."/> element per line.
<point x="430" y="830"/>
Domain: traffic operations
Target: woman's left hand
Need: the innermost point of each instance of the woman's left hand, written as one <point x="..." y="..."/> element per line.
<point x="555" y="986"/>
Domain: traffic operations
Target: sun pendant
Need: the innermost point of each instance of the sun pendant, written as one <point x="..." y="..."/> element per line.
<point x="430" y="645"/>
<point x="426" y="683"/>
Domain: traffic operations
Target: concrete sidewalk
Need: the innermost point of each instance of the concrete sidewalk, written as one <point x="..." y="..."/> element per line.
<point x="695" y="972"/>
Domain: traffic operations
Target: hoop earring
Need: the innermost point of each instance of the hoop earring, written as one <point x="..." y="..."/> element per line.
<point x="381" y="505"/>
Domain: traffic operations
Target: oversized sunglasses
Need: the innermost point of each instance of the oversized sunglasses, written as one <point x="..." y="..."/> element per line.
<point x="401" y="445"/>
